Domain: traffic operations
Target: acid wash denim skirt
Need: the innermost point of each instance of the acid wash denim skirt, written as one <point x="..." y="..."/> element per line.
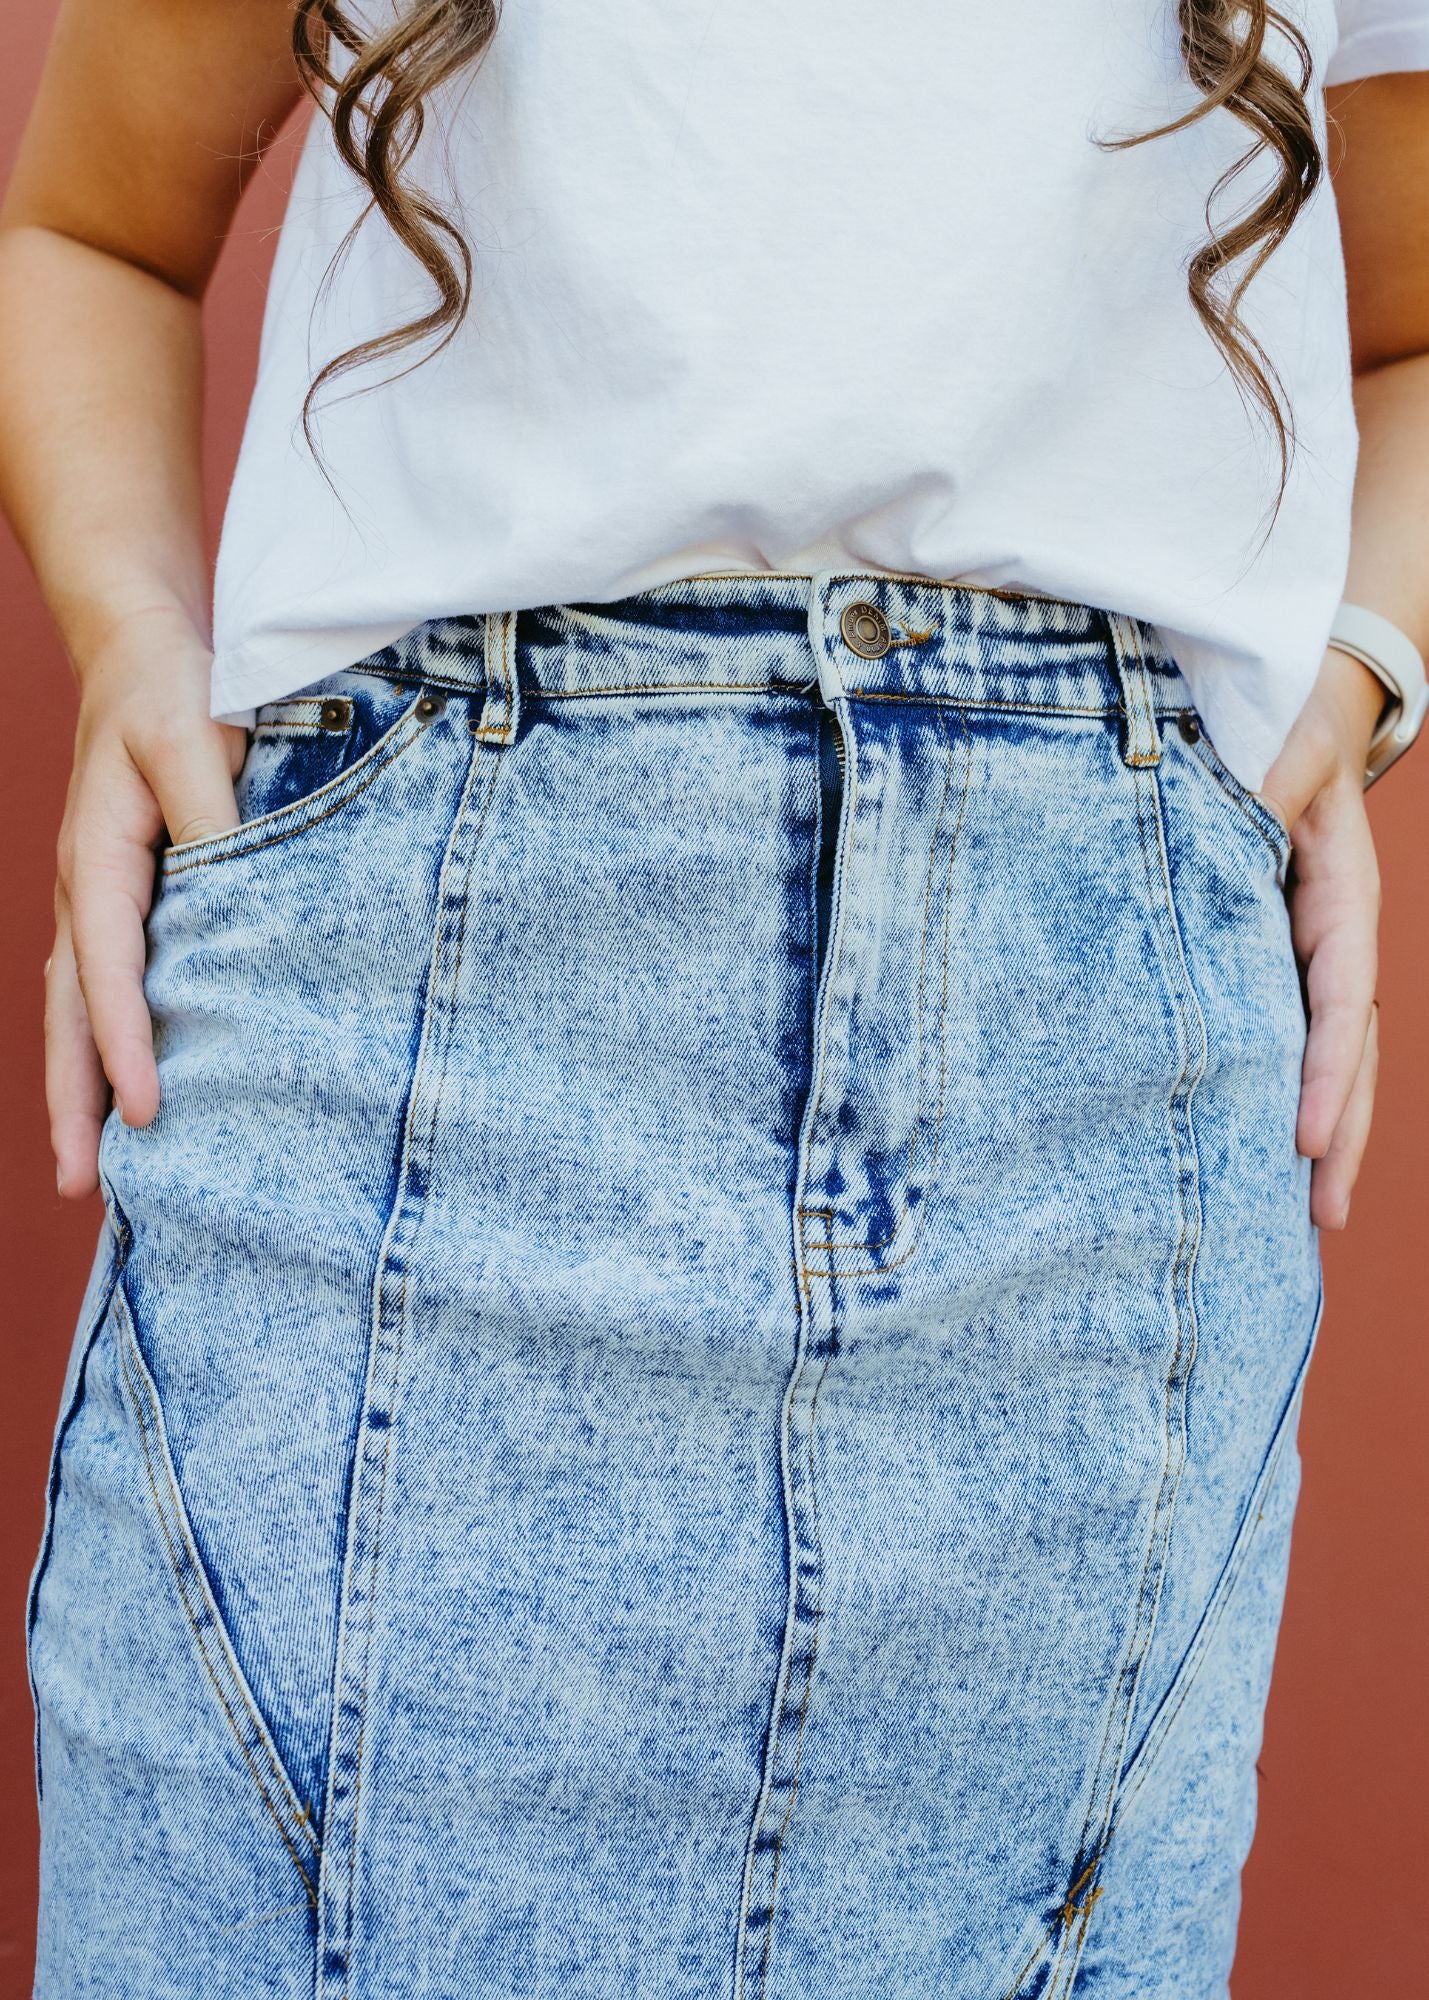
<point x="693" y="1394"/>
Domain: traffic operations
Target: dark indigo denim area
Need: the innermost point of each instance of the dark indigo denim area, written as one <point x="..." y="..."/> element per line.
<point x="694" y="1391"/>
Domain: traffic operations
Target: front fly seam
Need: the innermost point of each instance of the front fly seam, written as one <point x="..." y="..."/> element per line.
<point x="777" y="1729"/>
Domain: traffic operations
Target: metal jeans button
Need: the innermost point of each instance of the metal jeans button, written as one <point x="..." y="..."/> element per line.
<point x="865" y="631"/>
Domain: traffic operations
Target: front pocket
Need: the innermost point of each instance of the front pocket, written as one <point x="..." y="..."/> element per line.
<point x="1247" y="803"/>
<point x="294" y="749"/>
<point x="308" y="758"/>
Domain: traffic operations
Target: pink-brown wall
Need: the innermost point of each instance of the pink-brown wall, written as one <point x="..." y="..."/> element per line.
<point x="1334" y="1894"/>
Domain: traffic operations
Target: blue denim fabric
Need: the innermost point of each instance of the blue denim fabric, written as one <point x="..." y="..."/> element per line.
<point x="694" y="1392"/>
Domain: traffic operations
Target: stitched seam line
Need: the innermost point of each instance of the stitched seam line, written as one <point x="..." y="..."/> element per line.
<point x="132" y="1382"/>
<point x="673" y="687"/>
<point x="104" y="1300"/>
<point x="935" y="1150"/>
<point x="1182" y="1267"/>
<point x="235" y="846"/>
<point x="929" y="700"/>
<point x="1184" y="1263"/>
<point x="823" y="1003"/>
<point x="1195" y="1660"/>
<point x="438" y="1006"/>
<point x="814" y="1638"/>
<point x="1279" y="842"/>
<point x="1085" y="1914"/>
<point x="853" y="785"/>
<point x="1202" y="1639"/>
<point x="813" y="1653"/>
<point x="399" y="1319"/>
<point x="1021" y="1976"/>
<point x="1039" y="1951"/>
<point x="914" y="1137"/>
<point x="1180" y="1086"/>
<point x="421" y="676"/>
<point x="1082" y="1911"/>
<point x="1184" y="1086"/>
<point x="136" y="1368"/>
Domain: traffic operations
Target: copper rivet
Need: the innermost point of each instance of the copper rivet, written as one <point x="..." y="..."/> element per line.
<point x="865" y="631"/>
<point x="431" y="704"/>
<point x="1189" y="725"/>
<point x="334" y="714"/>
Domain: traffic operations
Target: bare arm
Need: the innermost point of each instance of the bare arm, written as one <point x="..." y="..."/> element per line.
<point x="150" y="116"/>
<point x="1382" y="186"/>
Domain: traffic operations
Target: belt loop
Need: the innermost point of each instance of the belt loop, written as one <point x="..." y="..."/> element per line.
<point x="1140" y="739"/>
<point x="501" y="712"/>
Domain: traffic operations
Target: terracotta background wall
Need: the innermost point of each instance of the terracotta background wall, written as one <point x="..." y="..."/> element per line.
<point x="1334" y="1894"/>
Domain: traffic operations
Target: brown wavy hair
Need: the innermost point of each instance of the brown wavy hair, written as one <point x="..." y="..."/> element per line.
<point x="378" y="108"/>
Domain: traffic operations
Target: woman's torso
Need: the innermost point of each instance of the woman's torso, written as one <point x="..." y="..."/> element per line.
<point x="794" y="289"/>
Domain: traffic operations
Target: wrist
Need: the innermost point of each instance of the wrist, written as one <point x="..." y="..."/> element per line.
<point x="152" y="623"/>
<point x="1358" y="699"/>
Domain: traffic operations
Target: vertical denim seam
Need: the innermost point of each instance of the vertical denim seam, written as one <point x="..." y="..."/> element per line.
<point x="779" y="1724"/>
<point x="1084" y="1917"/>
<point x="833" y="956"/>
<point x="1191" y="1035"/>
<point x="118" y="1252"/>
<point x="442" y="985"/>
<point x="819" y="950"/>
<point x="824" y="1004"/>
<point x="1224" y="1589"/>
<point x="1187" y="1002"/>
<point x="399" y="1326"/>
<point x="877" y="1268"/>
<point x="815" y="1636"/>
<point x="184" y="1553"/>
<point x="1068" y="1909"/>
<point x="919" y="1119"/>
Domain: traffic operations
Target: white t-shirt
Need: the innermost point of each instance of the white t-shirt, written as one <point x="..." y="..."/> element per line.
<point x="808" y="285"/>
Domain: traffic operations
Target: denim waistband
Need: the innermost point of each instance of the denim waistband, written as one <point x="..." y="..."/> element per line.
<point x="866" y="635"/>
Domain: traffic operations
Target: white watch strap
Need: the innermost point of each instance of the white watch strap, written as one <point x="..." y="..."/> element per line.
<point x="1393" y="658"/>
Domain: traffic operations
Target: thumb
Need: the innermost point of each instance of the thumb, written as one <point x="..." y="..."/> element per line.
<point x="1293" y="780"/>
<point x="193" y="783"/>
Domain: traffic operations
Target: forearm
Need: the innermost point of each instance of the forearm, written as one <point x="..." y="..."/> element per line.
<point x="1389" y="553"/>
<point x="101" y="377"/>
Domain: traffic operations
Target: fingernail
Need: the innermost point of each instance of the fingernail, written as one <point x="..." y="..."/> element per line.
<point x="60" y="1179"/>
<point x="119" y="1104"/>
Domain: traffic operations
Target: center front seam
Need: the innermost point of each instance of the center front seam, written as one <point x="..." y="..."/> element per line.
<point x="815" y="1346"/>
